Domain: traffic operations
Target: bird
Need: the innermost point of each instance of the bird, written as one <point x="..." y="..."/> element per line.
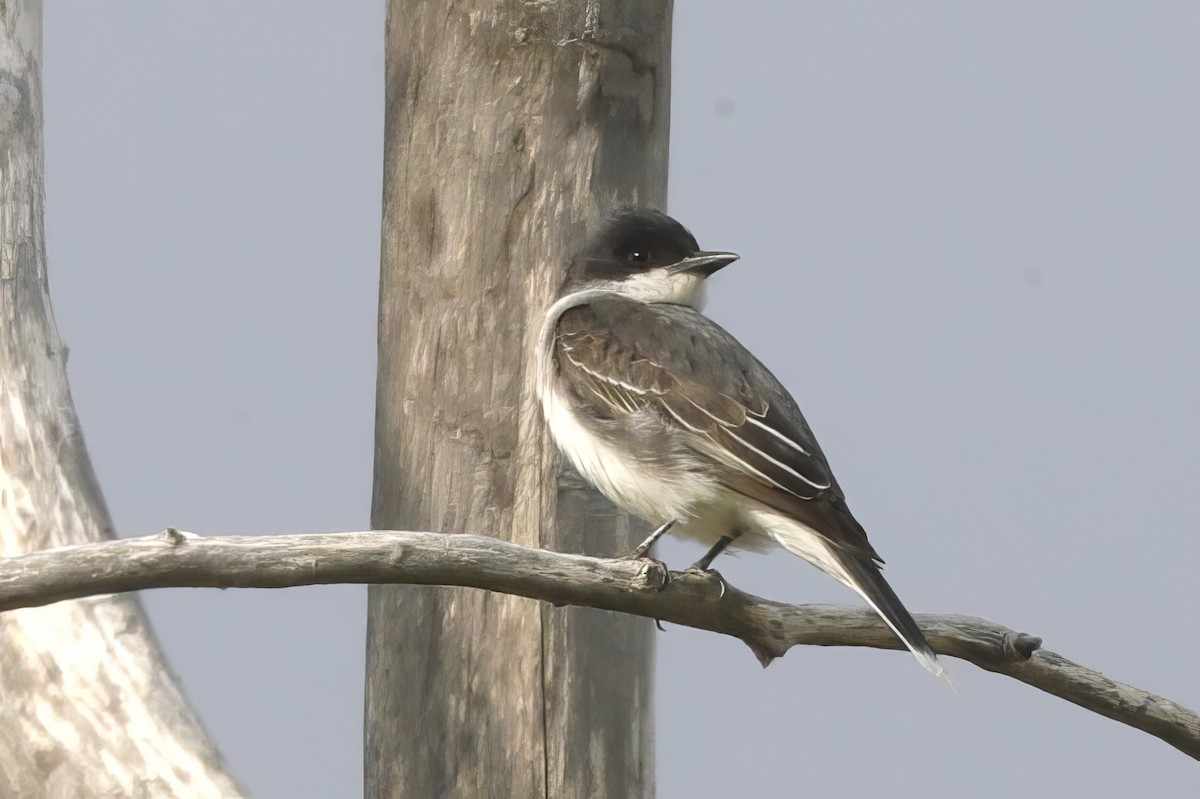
<point x="675" y="421"/>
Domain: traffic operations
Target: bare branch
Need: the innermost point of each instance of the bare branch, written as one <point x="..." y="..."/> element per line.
<point x="640" y="587"/>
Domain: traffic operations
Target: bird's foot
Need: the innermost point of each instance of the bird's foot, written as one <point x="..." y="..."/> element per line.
<point x="644" y="547"/>
<point x="701" y="572"/>
<point x="705" y="562"/>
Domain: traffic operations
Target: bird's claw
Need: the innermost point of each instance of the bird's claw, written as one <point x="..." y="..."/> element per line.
<point x="698" y="570"/>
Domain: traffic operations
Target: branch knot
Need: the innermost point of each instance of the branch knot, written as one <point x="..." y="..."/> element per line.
<point x="1019" y="646"/>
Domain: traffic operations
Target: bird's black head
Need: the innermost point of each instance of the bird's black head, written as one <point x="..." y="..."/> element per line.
<point x="647" y="255"/>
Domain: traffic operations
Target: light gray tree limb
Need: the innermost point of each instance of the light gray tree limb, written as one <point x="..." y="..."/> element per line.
<point x="639" y="587"/>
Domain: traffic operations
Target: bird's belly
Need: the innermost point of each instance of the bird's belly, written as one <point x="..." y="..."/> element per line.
<point x="655" y="485"/>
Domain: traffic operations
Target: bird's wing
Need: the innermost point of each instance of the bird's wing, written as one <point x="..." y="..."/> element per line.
<point x="621" y="357"/>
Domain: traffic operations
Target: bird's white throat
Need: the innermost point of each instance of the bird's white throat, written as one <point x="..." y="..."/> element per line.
<point x="658" y="285"/>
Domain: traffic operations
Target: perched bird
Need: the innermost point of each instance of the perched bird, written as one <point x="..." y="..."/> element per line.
<point x="671" y="418"/>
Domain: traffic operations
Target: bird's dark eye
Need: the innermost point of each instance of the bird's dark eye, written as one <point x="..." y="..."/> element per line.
<point x="639" y="256"/>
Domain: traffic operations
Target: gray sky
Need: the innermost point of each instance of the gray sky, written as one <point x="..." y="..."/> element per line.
<point x="970" y="240"/>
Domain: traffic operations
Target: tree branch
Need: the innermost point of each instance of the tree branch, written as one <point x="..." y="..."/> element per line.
<point x="174" y="559"/>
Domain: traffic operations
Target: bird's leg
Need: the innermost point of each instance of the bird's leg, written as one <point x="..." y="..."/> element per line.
<point x="644" y="547"/>
<point x="717" y="548"/>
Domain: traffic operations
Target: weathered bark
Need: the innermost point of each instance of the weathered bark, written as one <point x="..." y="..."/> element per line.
<point x="87" y="705"/>
<point x="510" y="127"/>
<point x="640" y="587"/>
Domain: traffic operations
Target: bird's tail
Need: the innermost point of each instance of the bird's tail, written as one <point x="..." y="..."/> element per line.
<point x="859" y="572"/>
<point x="866" y="579"/>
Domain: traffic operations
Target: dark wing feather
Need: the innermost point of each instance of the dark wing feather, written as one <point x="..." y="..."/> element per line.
<point x="622" y="357"/>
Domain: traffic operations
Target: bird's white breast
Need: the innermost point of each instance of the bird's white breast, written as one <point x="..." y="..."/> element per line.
<point x="656" y="495"/>
<point x="651" y="491"/>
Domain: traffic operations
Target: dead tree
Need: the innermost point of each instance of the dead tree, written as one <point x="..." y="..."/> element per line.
<point x="510" y="127"/>
<point x="509" y="130"/>
<point x="89" y="707"/>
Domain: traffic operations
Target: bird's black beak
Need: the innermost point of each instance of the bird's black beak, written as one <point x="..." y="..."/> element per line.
<point x="704" y="263"/>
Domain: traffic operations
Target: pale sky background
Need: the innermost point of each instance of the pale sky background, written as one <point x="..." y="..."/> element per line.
<point x="970" y="237"/>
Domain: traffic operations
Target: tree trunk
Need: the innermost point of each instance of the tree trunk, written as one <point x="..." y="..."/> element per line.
<point x="511" y="129"/>
<point x="87" y="705"/>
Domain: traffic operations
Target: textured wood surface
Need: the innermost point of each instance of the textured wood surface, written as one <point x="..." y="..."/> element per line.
<point x="640" y="587"/>
<point x="510" y="127"/>
<point x="87" y="705"/>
